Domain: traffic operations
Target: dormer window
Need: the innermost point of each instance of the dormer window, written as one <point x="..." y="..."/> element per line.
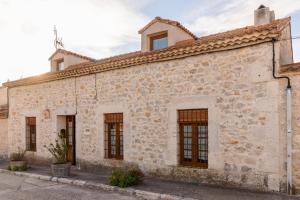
<point x="60" y="65"/>
<point x="159" y="41"/>
<point x="62" y="59"/>
<point x="162" y="33"/>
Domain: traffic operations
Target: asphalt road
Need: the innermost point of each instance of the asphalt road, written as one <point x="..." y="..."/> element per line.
<point x="22" y="188"/>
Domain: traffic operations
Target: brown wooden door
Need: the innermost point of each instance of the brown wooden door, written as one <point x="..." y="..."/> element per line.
<point x="70" y="137"/>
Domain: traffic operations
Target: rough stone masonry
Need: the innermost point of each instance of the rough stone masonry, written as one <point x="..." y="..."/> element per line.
<point x="246" y="115"/>
<point x="244" y="137"/>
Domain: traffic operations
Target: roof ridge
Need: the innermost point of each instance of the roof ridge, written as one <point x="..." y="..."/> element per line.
<point x="119" y="55"/>
<point x="248" y="29"/>
<point x="182" y="43"/>
<point x="102" y="60"/>
<point x="237" y="38"/>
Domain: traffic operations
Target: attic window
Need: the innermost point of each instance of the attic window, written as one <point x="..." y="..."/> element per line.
<point x="159" y="41"/>
<point x="60" y="65"/>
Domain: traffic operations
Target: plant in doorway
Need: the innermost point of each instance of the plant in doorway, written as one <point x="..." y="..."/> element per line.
<point x="17" y="161"/>
<point x="60" y="166"/>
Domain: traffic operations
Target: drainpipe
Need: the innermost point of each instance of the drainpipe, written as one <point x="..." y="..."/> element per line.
<point x="289" y="123"/>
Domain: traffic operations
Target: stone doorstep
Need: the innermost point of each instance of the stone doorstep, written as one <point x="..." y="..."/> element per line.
<point x="92" y="185"/>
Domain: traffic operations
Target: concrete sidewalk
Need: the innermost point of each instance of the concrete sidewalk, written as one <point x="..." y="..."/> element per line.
<point x="151" y="188"/>
<point x="24" y="188"/>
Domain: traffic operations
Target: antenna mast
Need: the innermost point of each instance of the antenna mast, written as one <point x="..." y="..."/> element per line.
<point x="57" y="41"/>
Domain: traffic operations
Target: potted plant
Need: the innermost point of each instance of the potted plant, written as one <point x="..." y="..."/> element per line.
<point x="17" y="161"/>
<point x="60" y="166"/>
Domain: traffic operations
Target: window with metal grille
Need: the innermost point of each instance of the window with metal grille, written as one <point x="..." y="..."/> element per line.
<point x="114" y="135"/>
<point x="193" y="131"/>
<point x="30" y="133"/>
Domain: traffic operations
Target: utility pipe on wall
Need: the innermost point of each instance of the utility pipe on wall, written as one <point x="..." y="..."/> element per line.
<point x="289" y="140"/>
<point x="289" y="123"/>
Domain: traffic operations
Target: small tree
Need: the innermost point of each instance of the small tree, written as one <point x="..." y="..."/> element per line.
<point x="59" y="150"/>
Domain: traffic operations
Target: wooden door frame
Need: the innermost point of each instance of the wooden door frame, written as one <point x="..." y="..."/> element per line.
<point x="73" y="134"/>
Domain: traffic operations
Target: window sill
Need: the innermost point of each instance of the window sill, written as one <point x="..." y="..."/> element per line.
<point x="116" y="159"/>
<point x="157" y="50"/>
<point x="193" y="166"/>
<point x="30" y="151"/>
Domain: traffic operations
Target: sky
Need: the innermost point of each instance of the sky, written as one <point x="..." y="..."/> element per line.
<point x="103" y="28"/>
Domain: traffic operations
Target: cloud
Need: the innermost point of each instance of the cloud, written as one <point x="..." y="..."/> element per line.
<point x="91" y="27"/>
<point x="224" y="15"/>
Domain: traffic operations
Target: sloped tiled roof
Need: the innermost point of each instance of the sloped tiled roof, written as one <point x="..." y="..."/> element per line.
<point x="170" y="22"/>
<point x="66" y="52"/>
<point x="113" y="58"/>
<point x="290" y="68"/>
<point x="237" y="38"/>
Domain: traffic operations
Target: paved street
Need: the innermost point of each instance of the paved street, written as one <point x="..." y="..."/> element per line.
<point x="20" y="188"/>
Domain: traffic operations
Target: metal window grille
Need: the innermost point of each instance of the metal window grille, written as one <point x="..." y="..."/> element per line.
<point x="30" y="133"/>
<point x="193" y="131"/>
<point x="114" y="135"/>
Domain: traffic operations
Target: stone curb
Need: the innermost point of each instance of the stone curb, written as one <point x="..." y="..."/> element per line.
<point x="92" y="185"/>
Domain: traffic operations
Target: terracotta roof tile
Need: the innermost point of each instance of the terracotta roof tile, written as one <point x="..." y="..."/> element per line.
<point x="290" y="68"/>
<point x="63" y="51"/>
<point x="109" y="59"/>
<point x="217" y="42"/>
<point x="185" y="42"/>
<point x="275" y="26"/>
<point x="75" y="66"/>
<point x="170" y="22"/>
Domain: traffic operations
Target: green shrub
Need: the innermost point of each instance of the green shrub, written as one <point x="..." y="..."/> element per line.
<point x="22" y="168"/>
<point x="18" y="156"/>
<point x="125" y="178"/>
<point x="16" y="168"/>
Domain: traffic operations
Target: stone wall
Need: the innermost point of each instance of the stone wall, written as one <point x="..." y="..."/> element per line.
<point x="295" y="81"/>
<point x="236" y="86"/>
<point x="3" y="95"/>
<point x="3" y="124"/>
<point x="286" y="49"/>
<point x="3" y="139"/>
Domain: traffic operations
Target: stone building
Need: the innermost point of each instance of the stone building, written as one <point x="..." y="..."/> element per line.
<point x="3" y="123"/>
<point x="199" y="109"/>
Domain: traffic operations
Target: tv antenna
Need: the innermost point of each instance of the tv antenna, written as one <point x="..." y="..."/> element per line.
<point x="57" y="41"/>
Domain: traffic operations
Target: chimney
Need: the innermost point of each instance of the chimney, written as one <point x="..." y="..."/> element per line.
<point x="263" y="15"/>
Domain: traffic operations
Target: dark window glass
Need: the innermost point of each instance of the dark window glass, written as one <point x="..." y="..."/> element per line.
<point x="30" y="133"/>
<point x="159" y="41"/>
<point x="114" y="135"/>
<point x="193" y="130"/>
